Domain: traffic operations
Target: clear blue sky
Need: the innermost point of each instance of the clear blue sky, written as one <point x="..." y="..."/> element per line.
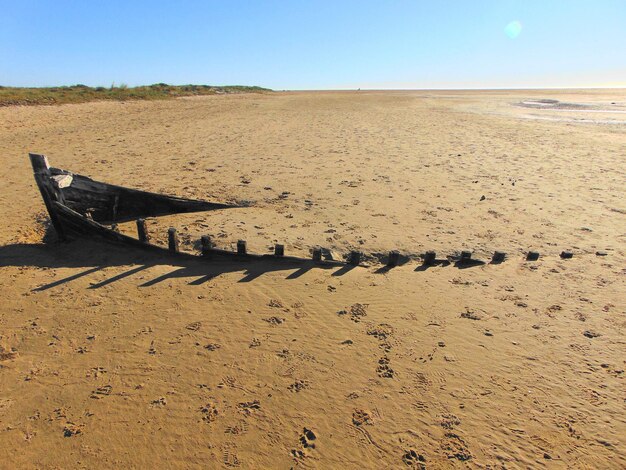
<point x="299" y="44"/>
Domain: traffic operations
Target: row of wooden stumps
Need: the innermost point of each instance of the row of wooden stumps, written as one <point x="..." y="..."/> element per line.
<point x="430" y="257"/>
<point x="354" y="258"/>
<point x="207" y="246"/>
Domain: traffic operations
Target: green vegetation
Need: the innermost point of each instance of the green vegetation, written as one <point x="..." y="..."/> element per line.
<point x="81" y="93"/>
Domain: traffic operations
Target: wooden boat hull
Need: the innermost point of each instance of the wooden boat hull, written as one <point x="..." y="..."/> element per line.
<point x="80" y="207"/>
<point x="108" y="203"/>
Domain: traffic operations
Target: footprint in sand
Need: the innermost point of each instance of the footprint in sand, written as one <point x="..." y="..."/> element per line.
<point x="275" y="304"/>
<point x="159" y="402"/>
<point x="238" y="429"/>
<point x="449" y="421"/>
<point x="356" y="311"/>
<point x="307" y="438"/>
<point x="101" y="392"/>
<point x="7" y="355"/>
<point x="72" y="429"/>
<point x="360" y="417"/>
<point x="229" y="455"/>
<point x="307" y="443"/>
<point x="96" y="372"/>
<point x="383" y="369"/>
<point x="412" y="459"/>
<point x="209" y="412"/>
<point x="249" y="406"/>
<point x="298" y="386"/>
<point x="195" y="326"/>
<point x="382" y="333"/>
<point x="274" y="321"/>
<point x="471" y="315"/>
<point x="455" y="447"/>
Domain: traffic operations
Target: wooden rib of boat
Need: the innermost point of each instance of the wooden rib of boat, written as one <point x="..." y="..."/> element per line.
<point x="81" y="207"/>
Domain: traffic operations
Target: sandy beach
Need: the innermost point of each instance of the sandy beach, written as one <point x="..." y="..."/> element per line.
<point x="111" y="358"/>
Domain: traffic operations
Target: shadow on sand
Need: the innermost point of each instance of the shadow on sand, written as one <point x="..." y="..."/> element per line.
<point x="465" y="264"/>
<point x="95" y="256"/>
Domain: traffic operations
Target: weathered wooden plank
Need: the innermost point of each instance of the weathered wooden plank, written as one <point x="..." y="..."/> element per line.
<point x="205" y="241"/>
<point x="142" y="231"/>
<point x="172" y="240"/>
<point x="109" y="203"/>
<point x="49" y="193"/>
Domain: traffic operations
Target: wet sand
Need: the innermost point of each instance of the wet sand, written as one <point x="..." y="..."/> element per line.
<point x="112" y="358"/>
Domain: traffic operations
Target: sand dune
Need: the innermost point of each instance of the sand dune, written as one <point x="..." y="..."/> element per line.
<point x="110" y="358"/>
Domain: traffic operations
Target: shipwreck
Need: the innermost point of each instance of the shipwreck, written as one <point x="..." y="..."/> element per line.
<point x="82" y="207"/>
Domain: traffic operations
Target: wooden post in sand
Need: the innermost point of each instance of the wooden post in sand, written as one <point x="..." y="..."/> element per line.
<point x="394" y="258"/>
<point x="205" y="241"/>
<point x="466" y="256"/>
<point x="172" y="240"/>
<point x="430" y="258"/>
<point x="498" y="257"/>
<point x="142" y="231"/>
<point x="317" y="254"/>
<point x="354" y="258"/>
<point x="279" y="250"/>
<point x="241" y="247"/>
<point x="532" y="256"/>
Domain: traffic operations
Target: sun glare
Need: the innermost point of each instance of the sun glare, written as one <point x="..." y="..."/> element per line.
<point x="513" y="29"/>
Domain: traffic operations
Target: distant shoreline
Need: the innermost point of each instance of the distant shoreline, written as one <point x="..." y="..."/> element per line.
<point x="338" y="90"/>
<point x="11" y="96"/>
<point x="73" y="94"/>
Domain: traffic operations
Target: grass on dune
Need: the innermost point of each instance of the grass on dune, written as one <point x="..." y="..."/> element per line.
<point x="81" y="93"/>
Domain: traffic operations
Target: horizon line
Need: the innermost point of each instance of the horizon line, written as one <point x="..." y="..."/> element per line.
<point x="618" y="87"/>
<point x="355" y="88"/>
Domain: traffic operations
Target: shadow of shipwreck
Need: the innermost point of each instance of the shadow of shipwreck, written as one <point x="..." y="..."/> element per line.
<point x="95" y="256"/>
